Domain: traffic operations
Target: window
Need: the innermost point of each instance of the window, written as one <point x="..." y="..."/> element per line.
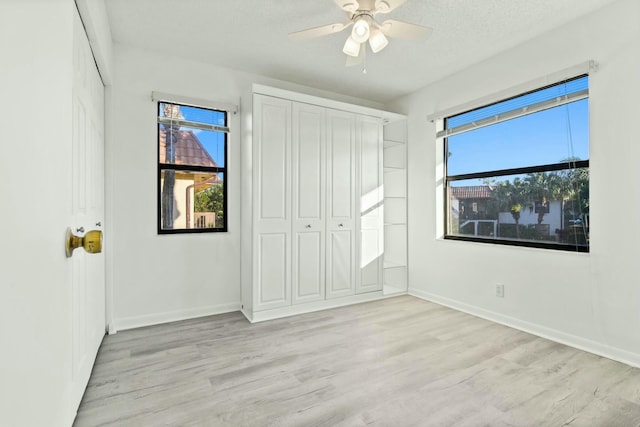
<point x="517" y="171"/>
<point x="192" y="160"/>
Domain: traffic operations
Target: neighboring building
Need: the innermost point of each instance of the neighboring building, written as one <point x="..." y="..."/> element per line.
<point x="471" y="201"/>
<point x="471" y="206"/>
<point x="551" y="222"/>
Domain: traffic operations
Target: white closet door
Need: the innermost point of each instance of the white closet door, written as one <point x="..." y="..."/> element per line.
<point x="272" y="201"/>
<point x="341" y="204"/>
<point x="369" y="138"/>
<point x="87" y="211"/>
<point x="308" y="203"/>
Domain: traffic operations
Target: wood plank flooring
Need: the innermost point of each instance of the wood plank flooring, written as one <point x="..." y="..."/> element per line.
<point x="395" y="362"/>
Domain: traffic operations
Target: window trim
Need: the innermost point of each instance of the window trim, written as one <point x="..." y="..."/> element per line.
<point x="518" y="112"/>
<point x="535" y="108"/>
<point x="584" y="68"/>
<point x="194" y="102"/>
<point x="552" y="167"/>
<point x="161" y="167"/>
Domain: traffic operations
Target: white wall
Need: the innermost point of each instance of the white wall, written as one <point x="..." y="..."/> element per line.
<point x="159" y="278"/>
<point x="587" y="300"/>
<point x="35" y="295"/>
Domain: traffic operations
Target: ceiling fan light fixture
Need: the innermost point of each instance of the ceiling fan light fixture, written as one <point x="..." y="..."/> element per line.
<point x="351" y="47"/>
<point x="377" y="40"/>
<point x="360" y="32"/>
<point x="361" y="19"/>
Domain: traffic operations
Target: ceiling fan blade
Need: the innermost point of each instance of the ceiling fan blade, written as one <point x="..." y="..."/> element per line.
<point x="386" y="6"/>
<point x="318" y="31"/>
<point x="352" y="61"/>
<point x="405" y="30"/>
<point x="347" y="5"/>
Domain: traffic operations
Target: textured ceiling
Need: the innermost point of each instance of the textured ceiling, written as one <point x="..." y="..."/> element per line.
<point x="251" y="35"/>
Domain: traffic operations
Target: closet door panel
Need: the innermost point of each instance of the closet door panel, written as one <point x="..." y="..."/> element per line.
<point x="308" y="202"/>
<point x="272" y="270"/>
<point x="340" y="269"/>
<point x="272" y="202"/>
<point x="370" y="218"/>
<point x="341" y="204"/>
<point x="341" y="166"/>
<point x="308" y="161"/>
<point x="369" y="260"/>
<point x="309" y="267"/>
<point x="272" y="152"/>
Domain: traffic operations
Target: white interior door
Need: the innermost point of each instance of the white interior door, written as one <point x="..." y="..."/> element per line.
<point x="272" y="201"/>
<point x="341" y="204"/>
<point x="371" y="247"/>
<point x="87" y="212"/>
<point x="308" y="202"/>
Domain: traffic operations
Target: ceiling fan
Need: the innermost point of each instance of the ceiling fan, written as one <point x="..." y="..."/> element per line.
<point x="361" y="15"/>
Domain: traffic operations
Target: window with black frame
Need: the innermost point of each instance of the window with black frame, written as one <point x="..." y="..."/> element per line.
<point x="192" y="159"/>
<point x="517" y="171"/>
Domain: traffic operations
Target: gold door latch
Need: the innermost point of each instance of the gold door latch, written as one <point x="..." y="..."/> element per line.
<point x="91" y="241"/>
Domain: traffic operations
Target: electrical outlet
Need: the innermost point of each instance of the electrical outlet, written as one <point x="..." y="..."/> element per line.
<point x="500" y="290"/>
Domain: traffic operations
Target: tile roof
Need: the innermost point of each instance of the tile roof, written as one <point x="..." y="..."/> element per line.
<point x="189" y="150"/>
<point x="471" y="192"/>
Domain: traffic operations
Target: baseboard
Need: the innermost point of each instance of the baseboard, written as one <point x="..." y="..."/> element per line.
<point x="590" y="346"/>
<point x="247" y="314"/>
<point x="292" y="310"/>
<point x="171" y="316"/>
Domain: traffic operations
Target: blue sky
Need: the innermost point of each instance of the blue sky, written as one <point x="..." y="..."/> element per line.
<point x="213" y="142"/>
<point x="549" y="136"/>
<point x="545" y="137"/>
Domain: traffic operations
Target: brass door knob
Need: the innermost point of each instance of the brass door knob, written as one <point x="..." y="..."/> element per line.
<point x="91" y="242"/>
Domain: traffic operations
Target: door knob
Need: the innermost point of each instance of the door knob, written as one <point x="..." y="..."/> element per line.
<point x="340" y="225"/>
<point x="91" y="242"/>
<point x="307" y="226"/>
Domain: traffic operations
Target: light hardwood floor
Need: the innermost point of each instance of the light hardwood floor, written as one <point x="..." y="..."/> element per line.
<point x="395" y="362"/>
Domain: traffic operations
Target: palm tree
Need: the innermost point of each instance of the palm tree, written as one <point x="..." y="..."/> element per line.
<point x="571" y="186"/>
<point x="544" y="187"/>
<point x="511" y="196"/>
<point x="576" y="191"/>
<point x="171" y="133"/>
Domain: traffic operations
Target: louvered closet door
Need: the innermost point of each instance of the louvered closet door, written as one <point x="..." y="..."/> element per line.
<point x="308" y="203"/>
<point x="341" y="204"/>
<point x="369" y="138"/>
<point x="272" y="202"/>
